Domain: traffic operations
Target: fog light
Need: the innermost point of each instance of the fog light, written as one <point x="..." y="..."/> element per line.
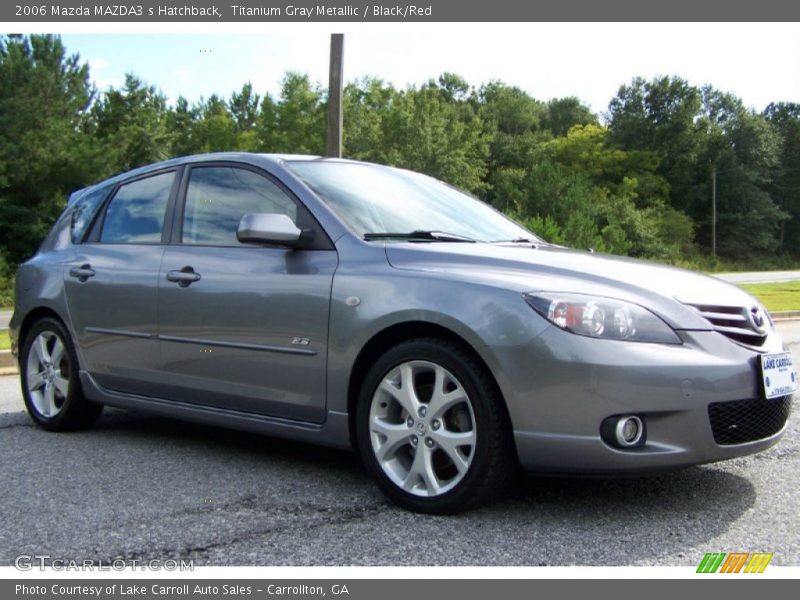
<point x="628" y="431"/>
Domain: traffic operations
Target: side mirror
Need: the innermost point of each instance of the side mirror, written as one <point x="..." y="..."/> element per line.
<point x="268" y="228"/>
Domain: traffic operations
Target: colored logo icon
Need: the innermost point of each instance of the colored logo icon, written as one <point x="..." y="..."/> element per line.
<point x="734" y="562"/>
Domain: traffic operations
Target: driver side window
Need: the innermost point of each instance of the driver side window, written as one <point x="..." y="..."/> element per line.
<point x="218" y="197"/>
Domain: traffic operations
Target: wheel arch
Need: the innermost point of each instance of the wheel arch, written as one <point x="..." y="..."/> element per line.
<point x="31" y="317"/>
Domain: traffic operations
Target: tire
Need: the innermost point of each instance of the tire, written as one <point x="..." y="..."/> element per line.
<point x="50" y="383"/>
<point x="445" y="447"/>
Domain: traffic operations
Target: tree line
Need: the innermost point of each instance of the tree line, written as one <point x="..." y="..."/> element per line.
<point x="636" y="180"/>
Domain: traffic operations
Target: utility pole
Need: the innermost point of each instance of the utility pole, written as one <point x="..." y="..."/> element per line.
<point x="334" y="140"/>
<point x="714" y="210"/>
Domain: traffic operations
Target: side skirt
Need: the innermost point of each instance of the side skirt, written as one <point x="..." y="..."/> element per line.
<point x="334" y="432"/>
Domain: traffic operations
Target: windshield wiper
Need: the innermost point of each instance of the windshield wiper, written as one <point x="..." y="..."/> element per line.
<point x="420" y="234"/>
<point x="520" y="240"/>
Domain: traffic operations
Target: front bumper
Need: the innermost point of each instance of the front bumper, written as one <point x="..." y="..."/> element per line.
<point x="560" y="387"/>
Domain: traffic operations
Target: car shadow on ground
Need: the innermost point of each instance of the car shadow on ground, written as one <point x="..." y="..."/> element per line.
<point x="564" y="520"/>
<point x="154" y="487"/>
<point x="140" y="425"/>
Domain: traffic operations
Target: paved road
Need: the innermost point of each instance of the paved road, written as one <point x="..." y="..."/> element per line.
<point x="141" y="487"/>
<point x="759" y="276"/>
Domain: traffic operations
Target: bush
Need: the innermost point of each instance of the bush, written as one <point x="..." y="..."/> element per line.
<point x="6" y="287"/>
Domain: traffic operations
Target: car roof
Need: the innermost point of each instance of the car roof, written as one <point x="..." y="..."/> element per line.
<point x="246" y="157"/>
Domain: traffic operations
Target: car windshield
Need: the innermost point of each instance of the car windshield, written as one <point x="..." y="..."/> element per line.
<point x="379" y="202"/>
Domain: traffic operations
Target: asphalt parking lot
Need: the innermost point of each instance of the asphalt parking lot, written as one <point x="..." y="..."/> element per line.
<point x="142" y="488"/>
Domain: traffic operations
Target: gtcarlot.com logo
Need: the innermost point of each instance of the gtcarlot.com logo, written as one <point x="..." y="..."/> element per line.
<point x="28" y="562"/>
<point x="734" y="562"/>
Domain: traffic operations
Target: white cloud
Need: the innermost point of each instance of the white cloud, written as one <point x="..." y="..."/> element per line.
<point x="98" y="64"/>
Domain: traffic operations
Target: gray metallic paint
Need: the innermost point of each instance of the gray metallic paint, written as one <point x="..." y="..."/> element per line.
<point x="247" y="296"/>
<point x="118" y="300"/>
<point x="557" y="386"/>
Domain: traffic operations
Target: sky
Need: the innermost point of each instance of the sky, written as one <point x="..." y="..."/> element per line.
<point x="758" y="62"/>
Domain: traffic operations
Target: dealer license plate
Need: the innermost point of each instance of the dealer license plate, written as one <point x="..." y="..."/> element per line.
<point x="779" y="374"/>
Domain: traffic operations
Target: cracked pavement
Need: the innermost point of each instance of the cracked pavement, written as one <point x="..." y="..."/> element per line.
<point x="142" y="487"/>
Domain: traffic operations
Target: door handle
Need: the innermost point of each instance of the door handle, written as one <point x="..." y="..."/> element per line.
<point x="82" y="273"/>
<point x="184" y="278"/>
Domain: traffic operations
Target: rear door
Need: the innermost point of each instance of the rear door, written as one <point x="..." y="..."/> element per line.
<point x="111" y="284"/>
<point x="243" y="326"/>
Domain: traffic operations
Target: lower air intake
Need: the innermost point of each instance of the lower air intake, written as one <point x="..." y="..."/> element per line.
<point x="742" y="421"/>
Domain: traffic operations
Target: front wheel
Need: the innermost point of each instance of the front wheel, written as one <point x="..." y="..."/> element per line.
<point x="50" y="384"/>
<point x="432" y="430"/>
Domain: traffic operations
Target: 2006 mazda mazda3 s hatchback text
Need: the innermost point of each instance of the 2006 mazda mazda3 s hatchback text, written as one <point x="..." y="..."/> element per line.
<point x="367" y="307"/>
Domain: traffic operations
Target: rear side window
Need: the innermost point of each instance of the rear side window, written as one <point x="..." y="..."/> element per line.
<point x="135" y="214"/>
<point x="218" y="198"/>
<point x="83" y="213"/>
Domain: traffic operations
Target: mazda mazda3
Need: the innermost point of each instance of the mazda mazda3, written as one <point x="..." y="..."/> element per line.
<point x="367" y="307"/>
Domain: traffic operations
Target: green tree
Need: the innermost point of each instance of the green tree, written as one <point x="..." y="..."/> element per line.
<point x="180" y="122"/>
<point x="45" y="152"/>
<point x="744" y="149"/>
<point x="244" y="108"/>
<point x="454" y="88"/>
<point x="131" y="124"/>
<point x="696" y="132"/>
<point x="784" y="189"/>
<point x="296" y="122"/>
<point x="593" y="191"/>
<point x="367" y="105"/>
<point x="564" y="113"/>
<point x="513" y="123"/>
<point x="640" y="186"/>
<point x="661" y="116"/>
<point x="428" y="133"/>
<point x="433" y="129"/>
<point x="215" y="130"/>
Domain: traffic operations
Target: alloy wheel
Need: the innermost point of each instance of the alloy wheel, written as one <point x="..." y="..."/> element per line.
<point x="422" y="428"/>
<point x="48" y="374"/>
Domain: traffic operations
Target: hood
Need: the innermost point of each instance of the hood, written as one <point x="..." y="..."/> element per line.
<point x="665" y="290"/>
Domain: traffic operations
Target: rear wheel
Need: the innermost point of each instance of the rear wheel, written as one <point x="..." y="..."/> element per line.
<point x="50" y="385"/>
<point x="432" y="430"/>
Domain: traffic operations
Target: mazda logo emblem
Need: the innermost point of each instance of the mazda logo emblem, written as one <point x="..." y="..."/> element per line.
<point x="758" y="319"/>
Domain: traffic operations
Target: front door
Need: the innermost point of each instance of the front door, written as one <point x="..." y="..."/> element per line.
<point x="243" y="327"/>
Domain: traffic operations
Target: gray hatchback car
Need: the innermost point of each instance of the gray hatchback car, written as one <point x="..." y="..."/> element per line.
<point x="367" y="307"/>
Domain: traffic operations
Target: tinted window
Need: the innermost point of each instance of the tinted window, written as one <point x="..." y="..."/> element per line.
<point x="218" y="198"/>
<point x="83" y="212"/>
<point x="136" y="213"/>
<point x="58" y="238"/>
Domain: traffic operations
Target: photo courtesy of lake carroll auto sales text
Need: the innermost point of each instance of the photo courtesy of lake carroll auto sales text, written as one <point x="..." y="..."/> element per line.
<point x="180" y="590"/>
<point x="310" y="300"/>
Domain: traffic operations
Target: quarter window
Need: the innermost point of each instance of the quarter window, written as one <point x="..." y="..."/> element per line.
<point x="83" y="212"/>
<point x="218" y="198"/>
<point x="135" y="214"/>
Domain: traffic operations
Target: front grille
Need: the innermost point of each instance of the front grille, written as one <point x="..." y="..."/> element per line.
<point x="741" y="421"/>
<point x="736" y="322"/>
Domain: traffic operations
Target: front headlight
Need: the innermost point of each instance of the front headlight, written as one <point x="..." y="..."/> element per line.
<point x="604" y="318"/>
